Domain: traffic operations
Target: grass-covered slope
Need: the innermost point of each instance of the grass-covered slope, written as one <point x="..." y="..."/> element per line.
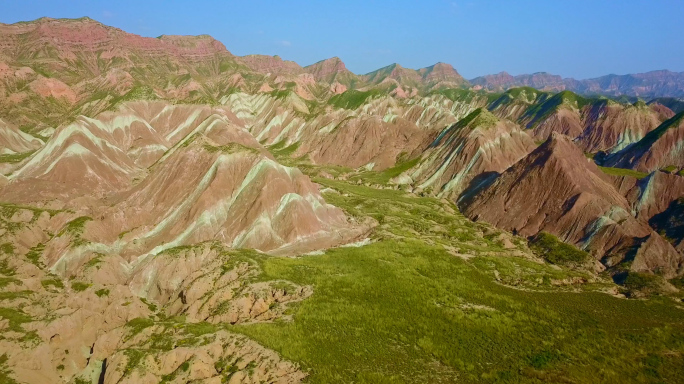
<point x="538" y="112"/>
<point x="407" y="309"/>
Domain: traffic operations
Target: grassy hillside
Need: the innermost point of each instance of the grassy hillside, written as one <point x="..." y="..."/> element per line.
<point x="407" y="309"/>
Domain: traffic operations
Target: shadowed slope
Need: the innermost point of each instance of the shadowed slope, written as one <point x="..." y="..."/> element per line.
<point x="557" y="190"/>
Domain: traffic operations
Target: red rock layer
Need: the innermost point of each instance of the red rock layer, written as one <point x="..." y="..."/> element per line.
<point x="557" y="190"/>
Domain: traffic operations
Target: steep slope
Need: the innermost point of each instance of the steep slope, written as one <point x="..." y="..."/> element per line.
<point x="170" y="175"/>
<point x="13" y="140"/>
<point x="367" y="129"/>
<point x="439" y="75"/>
<point x="442" y="75"/>
<point x="332" y="71"/>
<point x="513" y="103"/>
<point x="81" y="67"/>
<point x="676" y="105"/>
<point x="609" y="126"/>
<point x="394" y="74"/>
<point x="478" y="147"/>
<point x="271" y="64"/>
<point x="654" y="193"/>
<point x="219" y="186"/>
<point x="81" y="158"/>
<point x="660" y="148"/>
<point x="104" y="155"/>
<point x="559" y="113"/>
<point x="557" y="190"/>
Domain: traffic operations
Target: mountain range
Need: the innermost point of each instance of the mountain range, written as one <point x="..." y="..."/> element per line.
<point x="171" y="212"/>
<point x="662" y="83"/>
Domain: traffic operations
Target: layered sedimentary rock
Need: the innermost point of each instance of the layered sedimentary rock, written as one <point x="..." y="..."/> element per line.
<point x="660" y="148"/>
<point x="480" y="146"/>
<point x="557" y="190"/>
<point x="610" y="126"/>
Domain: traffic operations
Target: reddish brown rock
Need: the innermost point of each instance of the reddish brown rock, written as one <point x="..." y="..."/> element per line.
<point x="660" y="148"/>
<point x="271" y="64"/>
<point x="557" y="190"/>
<point x="478" y="146"/>
<point x="611" y="127"/>
<point x="330" y="71"/>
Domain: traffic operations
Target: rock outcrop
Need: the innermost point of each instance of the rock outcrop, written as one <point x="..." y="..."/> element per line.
<point x="660" y="148"/>
<point x="557" y="190"/>
<point x="478" y="147"/>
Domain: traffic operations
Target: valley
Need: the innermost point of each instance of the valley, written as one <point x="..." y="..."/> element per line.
<point x="173" y="213"/>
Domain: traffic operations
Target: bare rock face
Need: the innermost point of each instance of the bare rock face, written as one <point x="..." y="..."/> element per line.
<point x="654" y="193"/>
<point x="497" y="82"/>
<point x="373" y="135"/>
<point x="479" y="146"/>
<point x="103" y="321"/>
<point x="331" y="71"/>
<point x="558" y="114"/>
<point x="442" y="74"/>
<point x="337" y="88"/>
<point x="557" y="190"/>
<point x="223" y="357"/>
<point x="85" y="35"/>
<point x="166" y="176"/>
<point x="271" y="64"/>
<point x="13" y="140"/>
<point x="611" y="127"/>
<point x="660" y="148"/>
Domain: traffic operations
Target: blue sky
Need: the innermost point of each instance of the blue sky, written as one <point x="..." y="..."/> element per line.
<point x="580" y="39"/>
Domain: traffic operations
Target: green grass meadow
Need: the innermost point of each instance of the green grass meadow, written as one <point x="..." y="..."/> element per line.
<point x="405" y="310"/>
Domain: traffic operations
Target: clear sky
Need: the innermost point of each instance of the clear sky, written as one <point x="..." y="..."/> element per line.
<point x="579" y="38"/>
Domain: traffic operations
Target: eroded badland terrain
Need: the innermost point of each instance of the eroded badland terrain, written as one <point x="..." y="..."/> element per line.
<point x="172" y="213"/>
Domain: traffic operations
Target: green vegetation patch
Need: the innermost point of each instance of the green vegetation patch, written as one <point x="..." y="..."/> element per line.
<point x="15" y="295"/>
<point x="623" y="172"/>
<point x="353" y="99"/>
<point x="669" y="168"/>
<point x="15" y="157"/>
<point x="140" y="92"/>
<point x="557" y="252"/>
<point x="5" y="372"/>
<point x="479" y="118"/>
<point x="540" y="111"/>
<point x="464" y="95"/>
<point x="637" y="281"/>
<point x="405" y="309"/>
<point x="5" y="281"/>
<point x="47" y="283"/>
<point x="16" y="318"/>
<point x="139" y="324"/>
<point x="79" y="286"/>
<point x="281" y="149"/>
<point x="230" y="148"/>
<point x="411" y="311"/>
<point x="384" y="177"/>
<point x="75" y="228"/>
<point x="7" y="248"/>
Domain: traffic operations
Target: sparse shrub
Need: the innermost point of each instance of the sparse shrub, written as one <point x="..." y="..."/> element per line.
<point x="52" y="283"/>
<point x="555" y="251"/>
<point x="79" y="286"/>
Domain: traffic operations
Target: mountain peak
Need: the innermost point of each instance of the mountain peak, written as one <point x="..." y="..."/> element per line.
<point x="441" y="72"/>
<point x="328" y="70"/>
